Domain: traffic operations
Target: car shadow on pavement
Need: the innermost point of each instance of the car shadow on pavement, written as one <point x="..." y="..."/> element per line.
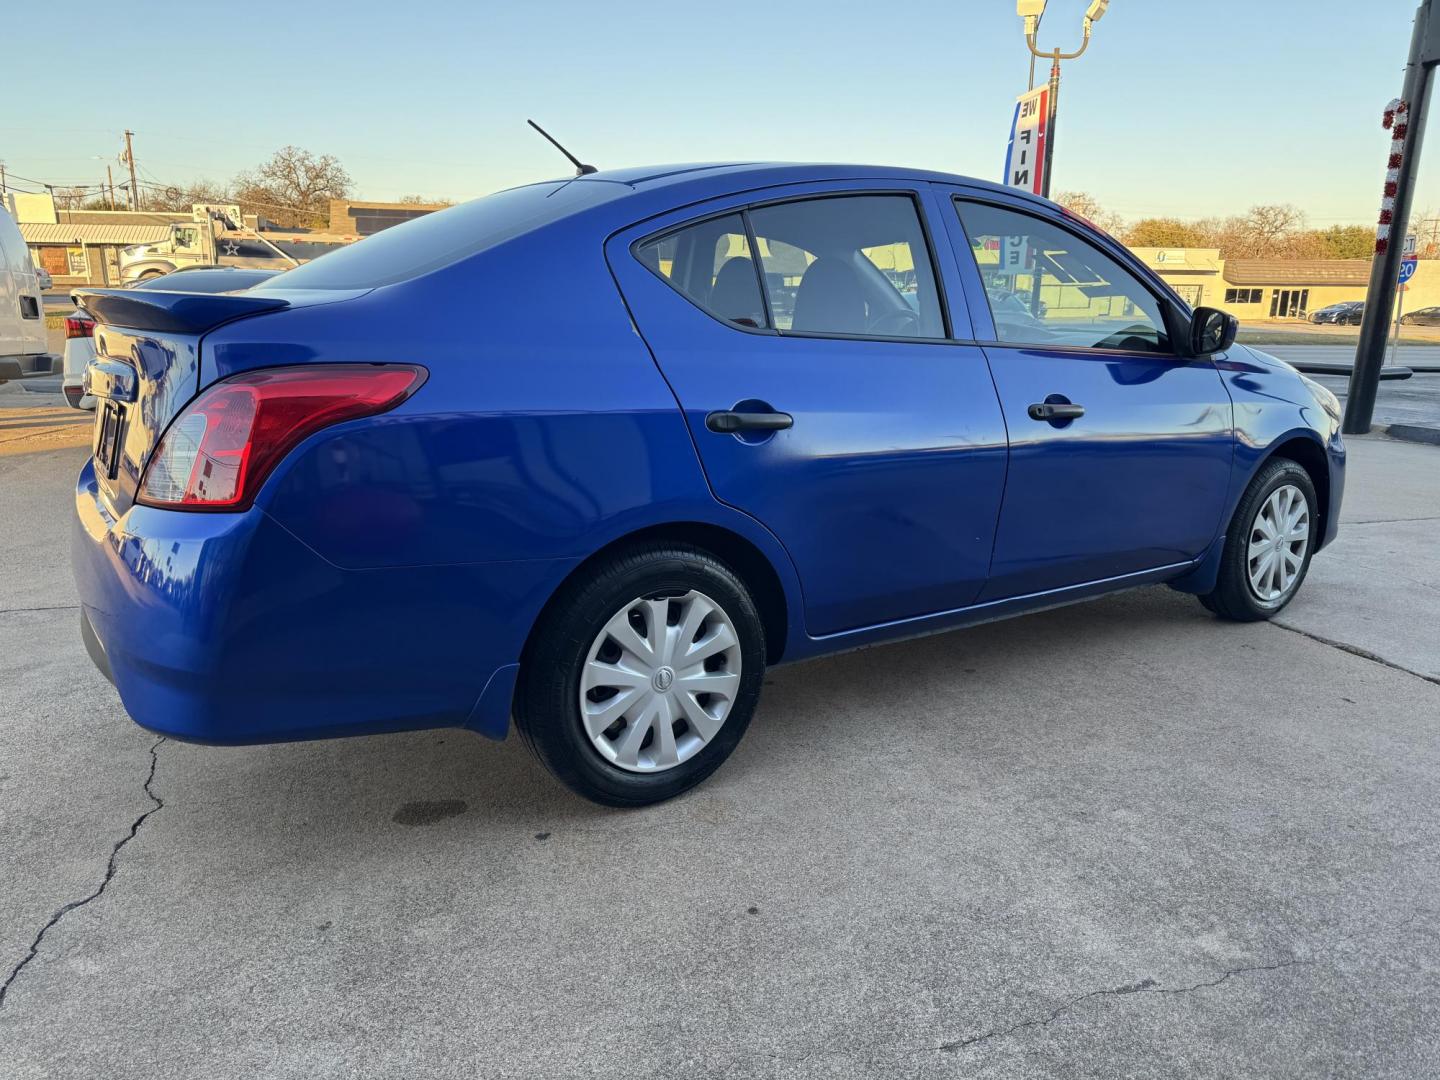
<point x="968" y="686"/>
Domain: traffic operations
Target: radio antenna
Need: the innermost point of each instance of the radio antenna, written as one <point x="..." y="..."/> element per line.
<point x="581" y="169"/>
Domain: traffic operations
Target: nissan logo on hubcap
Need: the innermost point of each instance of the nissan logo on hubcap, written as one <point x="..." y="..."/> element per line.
<point x="663" y="680"/>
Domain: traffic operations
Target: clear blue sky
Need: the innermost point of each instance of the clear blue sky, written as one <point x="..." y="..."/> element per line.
<point x="1186" y="109"/>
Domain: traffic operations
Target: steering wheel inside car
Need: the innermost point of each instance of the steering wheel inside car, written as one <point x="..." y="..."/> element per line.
<point x="895" y="324"/>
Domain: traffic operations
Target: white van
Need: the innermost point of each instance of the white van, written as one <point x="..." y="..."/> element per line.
<point x="22" y="308"/>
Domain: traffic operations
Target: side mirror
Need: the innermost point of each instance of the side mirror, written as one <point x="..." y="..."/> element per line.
<point x="1212" y="331"/>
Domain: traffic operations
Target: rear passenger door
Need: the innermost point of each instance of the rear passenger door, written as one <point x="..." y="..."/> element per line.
<point x="806" y="339"/>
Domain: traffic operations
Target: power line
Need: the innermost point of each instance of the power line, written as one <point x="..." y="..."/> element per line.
<point x="247" y="201"/>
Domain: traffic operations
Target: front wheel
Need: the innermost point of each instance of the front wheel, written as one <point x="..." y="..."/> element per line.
<point x="1268" y="545"/>
<point x="641" y="677"/>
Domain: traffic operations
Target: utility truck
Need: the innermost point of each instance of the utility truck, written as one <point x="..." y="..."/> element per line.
<point x="217" y="236"/>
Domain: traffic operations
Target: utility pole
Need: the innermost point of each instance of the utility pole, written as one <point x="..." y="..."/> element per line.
<point x="130" y="160"/>
<point x="110" y="185"/>
<point x="3" y="192"/>
<point x="1410" y="111"/>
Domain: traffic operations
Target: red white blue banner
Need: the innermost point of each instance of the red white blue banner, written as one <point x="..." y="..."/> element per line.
<point x="1029" y="131"/>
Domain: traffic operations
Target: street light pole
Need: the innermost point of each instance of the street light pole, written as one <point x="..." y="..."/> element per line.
<point x="1395" y="217"/>
<point x="1038" y="19"/>
<point x="1032" y="11"/>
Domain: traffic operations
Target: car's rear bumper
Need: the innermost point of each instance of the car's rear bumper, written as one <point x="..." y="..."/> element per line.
<point x="225" y="628"/>
<point x="78" y="354"/>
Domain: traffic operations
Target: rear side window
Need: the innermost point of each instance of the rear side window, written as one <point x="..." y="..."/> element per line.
<point x="845" y="265"/>
<point x="436" y="240"/>
<point x="711" y="264"/>
<point x="854" y="265"/>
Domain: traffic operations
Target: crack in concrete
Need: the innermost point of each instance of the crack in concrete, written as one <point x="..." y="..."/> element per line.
<point x="1387" y="521"/>
<point x="1356" y="650"/>
<point x="1144" y="986"/>
<point x="110" y="868"/>
<point x="53" y="607"/>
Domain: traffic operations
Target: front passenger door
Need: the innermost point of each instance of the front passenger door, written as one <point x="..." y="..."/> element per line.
<point x="1120" y="449"/>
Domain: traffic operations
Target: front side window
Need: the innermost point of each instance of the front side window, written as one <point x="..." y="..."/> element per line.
<point x="711" y="264"/>
<point x="187" y="239"/>
<point x="1048" y="287"/>
<point x="855" y="265"/>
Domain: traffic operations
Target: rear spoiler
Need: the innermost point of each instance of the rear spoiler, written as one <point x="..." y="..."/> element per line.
<point x="171" y="312"/>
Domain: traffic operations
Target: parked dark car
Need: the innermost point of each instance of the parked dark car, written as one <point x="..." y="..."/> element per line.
<point x="685" y="427"/>
<point x="1348" y="313"/>
<point x="1425" y="316"/>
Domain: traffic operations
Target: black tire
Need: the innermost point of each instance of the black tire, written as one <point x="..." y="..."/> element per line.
<point x="1233" y="597"/>
<point x="547" y="708"/>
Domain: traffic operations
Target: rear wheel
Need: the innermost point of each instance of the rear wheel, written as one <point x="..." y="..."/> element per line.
<point x="641" y="678"/>
<point x="1268" y="545"/>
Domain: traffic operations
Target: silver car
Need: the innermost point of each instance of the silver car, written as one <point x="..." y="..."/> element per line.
<point x="80" y="327"/>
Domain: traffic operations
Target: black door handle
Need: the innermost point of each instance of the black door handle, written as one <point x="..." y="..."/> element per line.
<point x="726" y="422"/>
<point x="1050" y="410"/>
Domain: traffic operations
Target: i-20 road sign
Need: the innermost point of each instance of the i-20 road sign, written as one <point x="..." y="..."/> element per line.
<point x="1407" y="268"/>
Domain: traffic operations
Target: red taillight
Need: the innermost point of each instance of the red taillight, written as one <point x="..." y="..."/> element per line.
<point x="77" y="326"/>
<point x="219" y="450"/>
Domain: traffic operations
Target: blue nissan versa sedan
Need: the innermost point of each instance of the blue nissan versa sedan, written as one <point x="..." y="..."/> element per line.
<point x="593" y="453"/>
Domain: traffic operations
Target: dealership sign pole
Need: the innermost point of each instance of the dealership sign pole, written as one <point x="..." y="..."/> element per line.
<point x="1405" y="119"/>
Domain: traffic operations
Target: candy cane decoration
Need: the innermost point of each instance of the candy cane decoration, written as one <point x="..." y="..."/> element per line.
<point x="1396" y="122"/>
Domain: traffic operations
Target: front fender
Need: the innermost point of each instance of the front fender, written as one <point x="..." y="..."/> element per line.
<point x="134" y="271"/>
<point x="1275" y="412"/>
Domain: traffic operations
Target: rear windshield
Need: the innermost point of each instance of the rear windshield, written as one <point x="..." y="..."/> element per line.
<point x="205" y="281"/>
<point x="427" y="243"/>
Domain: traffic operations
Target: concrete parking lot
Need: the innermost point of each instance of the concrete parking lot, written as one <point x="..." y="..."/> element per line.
<point x="1121" y="839"/>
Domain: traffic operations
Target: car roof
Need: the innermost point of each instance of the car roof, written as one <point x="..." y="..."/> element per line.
<point x="694" y="181"/>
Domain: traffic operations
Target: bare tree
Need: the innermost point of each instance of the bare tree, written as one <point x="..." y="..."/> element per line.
<point x="294" y="187"/>
<point x="1263" y="232"/>
<point x="1426" y="227"/>
<point x="1089" y="207"/>
<point x="178" y="199"/>
<point x="77" y="198"/>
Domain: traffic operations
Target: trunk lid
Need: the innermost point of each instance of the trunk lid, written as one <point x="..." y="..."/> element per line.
<point x="146" y="368"/>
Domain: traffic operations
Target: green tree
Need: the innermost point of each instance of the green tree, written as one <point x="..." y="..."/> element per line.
<point x="1347" y="242"/>
<point x="1165" y="232"/>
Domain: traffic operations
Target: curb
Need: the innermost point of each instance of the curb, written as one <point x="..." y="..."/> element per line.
<point x="1416" y="433"/>
<point x="1320" y="367"/>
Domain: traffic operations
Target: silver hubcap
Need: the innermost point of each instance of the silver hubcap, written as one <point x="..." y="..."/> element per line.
<point x="1278" y="539"/>
<point x="659" y="681"/>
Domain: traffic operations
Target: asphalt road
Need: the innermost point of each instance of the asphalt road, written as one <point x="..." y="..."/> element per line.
<point x="1121" y="839"/>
